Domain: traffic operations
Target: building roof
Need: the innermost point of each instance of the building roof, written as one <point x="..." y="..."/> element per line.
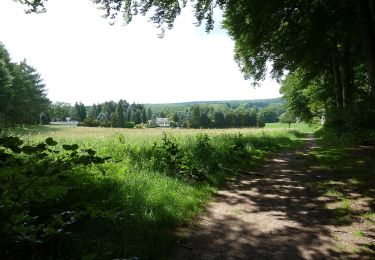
<point x="162" y="120"/>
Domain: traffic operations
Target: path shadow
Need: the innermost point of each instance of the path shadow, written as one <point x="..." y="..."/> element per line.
<point x="274" y="212"/>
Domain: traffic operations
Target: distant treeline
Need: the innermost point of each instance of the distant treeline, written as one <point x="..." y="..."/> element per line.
<point x="221" y="114"/>
<point x="123" y="114"/>
<point x="24" y="101"/>
<point x="107" y="114"/>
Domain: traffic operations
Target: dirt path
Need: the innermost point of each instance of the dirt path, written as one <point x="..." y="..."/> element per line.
<point x="273" y="213"/>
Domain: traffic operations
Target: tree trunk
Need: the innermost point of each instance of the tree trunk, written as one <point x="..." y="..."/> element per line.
<point x="346" y="69"/>
<point x="367" y="19"/>
<point x="336" y="75"/>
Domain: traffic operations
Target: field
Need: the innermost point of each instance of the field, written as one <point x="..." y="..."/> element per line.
<point x="302" y="127"/>
<point x="154" y="181"/>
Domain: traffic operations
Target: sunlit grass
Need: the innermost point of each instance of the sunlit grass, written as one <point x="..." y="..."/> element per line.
<point x="153" y="203"/>
<point x="368" y="215"/>
<point x="333" y="193"/>
<point x="302" y="127"/>
<point x="358" y="233"/>
<point x="347" y="176"/>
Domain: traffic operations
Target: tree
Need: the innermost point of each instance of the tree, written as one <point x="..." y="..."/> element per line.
<point x="60" y="111"/>
<point x="93" y="112"/>
<point x="293" y="89"/>
<point x="80" y="111"/>
<point x="260" y="120"/>
<point x="22" y="92"/>
<point x="5" y="86"/>
<point x="288" y="118"/>
<point x="219" y="119"/>
<point x="144" y="115"/>
<point x="149" y="113"/>
<point x="269" y="114"/>
<point x="119" y="119"/>
<point x="195" y="117"/>
<point x="44" y="119"/>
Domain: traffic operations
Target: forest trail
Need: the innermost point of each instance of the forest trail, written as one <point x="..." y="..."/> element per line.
<point x="271" y="213"/>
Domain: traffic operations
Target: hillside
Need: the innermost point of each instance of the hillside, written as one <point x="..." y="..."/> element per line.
<point x="233" y="103"/>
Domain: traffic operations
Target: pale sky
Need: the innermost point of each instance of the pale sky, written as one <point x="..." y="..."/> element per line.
<point x="83" y="58"/>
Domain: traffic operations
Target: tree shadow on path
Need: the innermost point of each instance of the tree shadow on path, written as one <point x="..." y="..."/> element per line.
<point x="271" y="213"/>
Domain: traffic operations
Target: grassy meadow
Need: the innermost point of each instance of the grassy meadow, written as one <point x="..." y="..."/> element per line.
<point x="129" y="206"/>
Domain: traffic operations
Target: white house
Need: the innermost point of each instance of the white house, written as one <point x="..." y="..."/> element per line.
<point x="63" y="121"/>
<point x="162" y="122"/>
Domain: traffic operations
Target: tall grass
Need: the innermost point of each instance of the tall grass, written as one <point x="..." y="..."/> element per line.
<point x="156" y="180"/>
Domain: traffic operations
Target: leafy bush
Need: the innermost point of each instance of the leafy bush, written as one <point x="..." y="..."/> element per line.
<point x="167" y="157"/>
<point x="204" y="161"/>
<point x="44" y="119"/>
<point x="129" y="124"/>
<point x="90" y="122"/>
<point x="152" y="124"/>
<point x="191" y="163"/>
<point x="105" y="123"/>
<point x="200" y="159"/>
<point x="35" y="180"/>
<point x="335" y="137"/>
<point x="139" y="126"/>
<point x="260" y="121"/>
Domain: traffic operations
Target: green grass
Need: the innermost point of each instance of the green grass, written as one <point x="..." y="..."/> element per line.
<point x="358" y="233"/>
<point x="302" y="127"/>
<point x="152" y="206"/>
<point x="143" y="204"/>
<point x="347" y="173"/>
<point x="368" y="215"/>
<point x="333" y="193"/>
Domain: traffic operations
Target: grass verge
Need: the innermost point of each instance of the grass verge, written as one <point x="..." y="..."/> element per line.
<point x="347" y="166"/>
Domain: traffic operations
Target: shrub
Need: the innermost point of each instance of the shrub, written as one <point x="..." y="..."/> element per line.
<point x="106" y="123"/>
<point x="139" y="126"/>
<point x="167" y="156"/>
<point x="192" y="163"/>
<point x="35" y="180"/>
<point x="90" y="122"/>
<point x="129" y="124"/>
<point x="152" y="124"/>
<point x="44" y="119"/>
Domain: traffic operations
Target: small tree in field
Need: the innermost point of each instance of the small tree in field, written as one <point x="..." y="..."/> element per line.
<point x="288" y="118"/>
<point x="44" y="119"/>
<point x="80" y="111"/>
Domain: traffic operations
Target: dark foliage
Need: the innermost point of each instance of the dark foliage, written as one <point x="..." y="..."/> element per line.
<point x="22" y="93"/>
<point x="39" y="209"/>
